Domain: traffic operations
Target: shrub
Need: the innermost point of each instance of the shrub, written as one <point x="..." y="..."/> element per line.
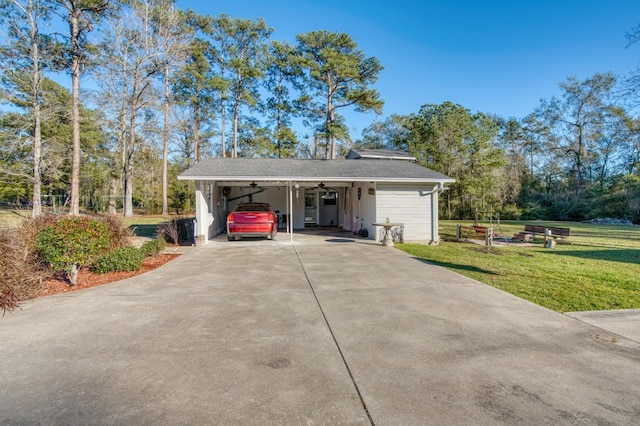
<point x="119" y="233"/>
<point x="168" y="231"/>
<point x="176" y="231"/>
<point x="510" y="212"/>
<point x="21" y="274"/>
<point x="119" y="260"/>
<point x="153" y="247"/>
<point x="71" y="242"/>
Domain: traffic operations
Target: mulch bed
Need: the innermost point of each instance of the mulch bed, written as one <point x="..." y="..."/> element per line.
<point x="87" y="279"/>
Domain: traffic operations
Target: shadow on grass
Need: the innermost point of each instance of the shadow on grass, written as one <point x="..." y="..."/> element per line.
<point x="456" y="267"/>
<point x="617" y="255"/>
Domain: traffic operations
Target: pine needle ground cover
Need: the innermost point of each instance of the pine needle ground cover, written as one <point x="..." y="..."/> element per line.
<point x="597" y="268"/>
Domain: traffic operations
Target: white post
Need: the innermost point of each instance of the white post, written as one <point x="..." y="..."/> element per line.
<point x="290" y="213"/>
<point x="434" y="216"/>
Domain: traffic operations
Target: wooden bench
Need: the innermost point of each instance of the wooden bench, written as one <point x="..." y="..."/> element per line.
<point x="547" y="231"/>
<point x="480" y="230"/>
<point x="466" y="232"/>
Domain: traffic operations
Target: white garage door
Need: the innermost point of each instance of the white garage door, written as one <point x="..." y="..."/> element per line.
<point x="410" y="205"/>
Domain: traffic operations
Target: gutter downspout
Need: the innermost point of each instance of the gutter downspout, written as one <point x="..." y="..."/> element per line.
<point x="435" y="238"/>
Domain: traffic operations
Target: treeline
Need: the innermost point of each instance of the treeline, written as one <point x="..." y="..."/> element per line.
<point x="163" y="88"/>
<point x="154" y="89"/>
<point x="576" y="157"/>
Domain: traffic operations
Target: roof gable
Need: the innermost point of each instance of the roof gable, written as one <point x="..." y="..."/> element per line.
<point x="379" y="154"/>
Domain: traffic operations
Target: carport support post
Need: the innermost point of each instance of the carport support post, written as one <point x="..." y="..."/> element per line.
<point x="290" y="212"/>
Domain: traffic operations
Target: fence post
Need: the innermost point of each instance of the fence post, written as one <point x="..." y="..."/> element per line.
<point x="458" y="232"/>
<point x="488" y="237"/>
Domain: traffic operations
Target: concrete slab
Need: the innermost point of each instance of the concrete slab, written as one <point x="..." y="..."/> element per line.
<point x="624" y="322"/>
<point x="229" y="336"/>
<point x="331" y="329"/>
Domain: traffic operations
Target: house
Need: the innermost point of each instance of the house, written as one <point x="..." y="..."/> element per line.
<point x="367" y="187"/>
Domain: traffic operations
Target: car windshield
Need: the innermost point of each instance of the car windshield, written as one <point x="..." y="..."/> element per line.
<point x="252" y="208"/>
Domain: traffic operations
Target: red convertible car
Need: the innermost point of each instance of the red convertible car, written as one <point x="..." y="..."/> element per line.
<point x="252" y="220"/>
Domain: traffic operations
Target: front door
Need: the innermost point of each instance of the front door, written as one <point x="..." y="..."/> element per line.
<point x="328" y="210"/>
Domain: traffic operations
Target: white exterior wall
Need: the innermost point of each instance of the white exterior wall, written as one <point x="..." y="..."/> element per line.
<point x="408" y="204"/>
<point x="205" y="208"/>
<point x="364" y="209"/>
<point x="276" y="196"/>
<point x="298" y="208"/>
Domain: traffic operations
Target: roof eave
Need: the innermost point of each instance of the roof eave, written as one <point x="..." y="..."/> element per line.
<point x="316" y="178"/>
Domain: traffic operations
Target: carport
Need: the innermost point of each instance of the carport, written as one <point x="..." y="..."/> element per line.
<point x="350" y="194"/>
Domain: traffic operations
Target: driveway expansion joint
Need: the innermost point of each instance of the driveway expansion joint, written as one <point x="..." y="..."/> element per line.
<point x="335" y="340"/>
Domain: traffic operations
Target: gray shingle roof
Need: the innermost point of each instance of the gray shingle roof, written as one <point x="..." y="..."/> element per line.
<point x="272" y="169"/>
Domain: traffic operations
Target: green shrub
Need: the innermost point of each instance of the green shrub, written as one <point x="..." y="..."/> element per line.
<point x="119" y="260"/>
<point x="510" y="212"/>
<point x="70" y="242"/>
<point x="153" y="247"/>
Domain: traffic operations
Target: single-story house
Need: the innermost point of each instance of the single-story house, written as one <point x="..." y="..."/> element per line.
<point x="369" y="186"/>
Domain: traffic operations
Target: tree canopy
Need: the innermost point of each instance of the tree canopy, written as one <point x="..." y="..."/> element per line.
<point x="164" y="88"/>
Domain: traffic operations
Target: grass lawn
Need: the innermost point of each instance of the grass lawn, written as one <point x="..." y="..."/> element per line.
<point x="145" y="226"/>
<point x="12" y="218"/>
<point x="597" y="268"/>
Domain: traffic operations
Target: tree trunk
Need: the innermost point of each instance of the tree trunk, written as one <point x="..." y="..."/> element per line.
<point x="165" y="137"/>
<point x="236" y="113"/>
<point x="196" y="131"/>
<point x="118" y="179"/>
<point x="37" y="158"/>
<point x="74" y="208"/>
<point x="128" y="160"/>
<point x="328" y="137"/>
<point x="37" y="132"/>
<point x="113" y="194"/>
<point x="223" y="117"/>
<point x="73" y="275"/>
<point x="127" y="210"/>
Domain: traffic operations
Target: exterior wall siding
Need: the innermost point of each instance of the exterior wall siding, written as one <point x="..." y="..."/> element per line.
<point x="206" y="217"/>
<point x="364" y="208"/>
<point x="408" y="204"/>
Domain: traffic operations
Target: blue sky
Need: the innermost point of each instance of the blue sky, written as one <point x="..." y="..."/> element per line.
<point x="498" y="57"/>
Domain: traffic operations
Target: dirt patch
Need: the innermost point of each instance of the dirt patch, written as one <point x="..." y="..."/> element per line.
<point x="87" y="279"/>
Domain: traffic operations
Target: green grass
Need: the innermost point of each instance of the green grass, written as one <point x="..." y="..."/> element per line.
<point x="145" y="226"/>
<point x="597" y="268"/>
<point x="12" y="218"/>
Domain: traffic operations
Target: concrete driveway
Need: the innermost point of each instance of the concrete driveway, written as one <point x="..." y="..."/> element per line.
<point x="328" y="330"/>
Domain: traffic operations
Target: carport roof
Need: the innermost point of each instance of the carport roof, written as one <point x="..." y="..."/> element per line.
<point x="278" y="169"/>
